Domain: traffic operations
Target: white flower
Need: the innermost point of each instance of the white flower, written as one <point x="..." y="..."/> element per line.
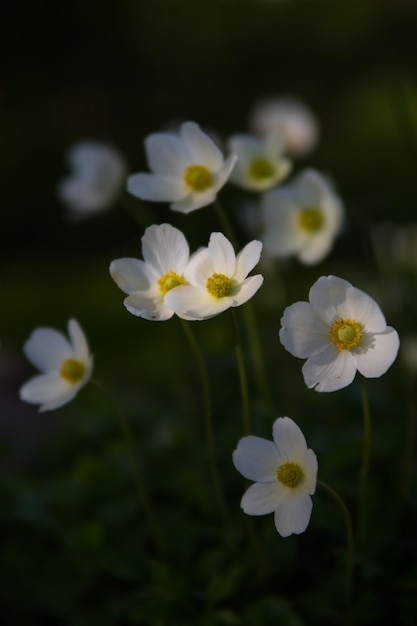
<point x="340" y="330"/>
<point x="301" y="218"/>
<point x="188" y="169"/>
<point x="99" y="174"/>
<point x="147" y="283"/>
<point x="261" y="163"/>
<point x="285" y="472"/>
<point x="217" y="279"/>
<point x="66" y="366"/>
<point x="289" y="115"/>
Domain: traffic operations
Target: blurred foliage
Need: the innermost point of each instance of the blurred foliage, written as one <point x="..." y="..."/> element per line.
<point x="76" y="546"/>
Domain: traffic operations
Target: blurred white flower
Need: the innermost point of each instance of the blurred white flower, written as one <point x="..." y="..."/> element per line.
<point x="261" y="162"/>
<point x="66" y="366"/>
<point x="165" y="251"/>
<point x="216" y="279"/>
<point x="285" y="472"/>
<point x="98" y="178"/>
<point x="340" y="330"/>
<point x="188" y="169"/>
<point x="395" y="245"/>
<point x="286" y="114"/>
<point x="301" y="218"/>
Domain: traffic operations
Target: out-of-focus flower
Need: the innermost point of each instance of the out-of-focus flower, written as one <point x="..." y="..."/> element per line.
<point x="216" y="279"/>
<point x="395" y="245"/>
<point x="340" y="330"/>
<point x="165" y="251"/>
<point x="285" y="472"/>
<point x="98" y="178"/>
<point x="261" y="162"/>
<point x="286" y="114"/>
<point x="301" y="218"/>
<point x="66" y="366"/>
<point x="188" y="169"/>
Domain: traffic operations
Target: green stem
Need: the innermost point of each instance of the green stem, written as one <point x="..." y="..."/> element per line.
<point x="139" y="481"/>
<point x="242" y="374"/>
<point x="349" y="538"/>
<point x="366" y="453"/>
<point x="251" y="327"/>
<point x="208" y="419"/>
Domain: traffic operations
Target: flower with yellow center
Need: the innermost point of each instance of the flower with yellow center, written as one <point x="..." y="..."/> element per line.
<point x="285" y="474"/>
<point x="261" y="163"/>
<point x="216" y="279"/>
<point x="340" y="330"/>
<point x="165" y="256"/>
<point x="187" y="169"/>
<point x="302" y="218"/>
<point x="66" y="366"/>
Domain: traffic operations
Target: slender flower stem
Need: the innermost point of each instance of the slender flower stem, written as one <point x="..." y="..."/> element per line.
<point x="208" y="419"/>
<point x="139" y="481"/>
<point x="349" y="538"/>
<point x="242" y="375"/>
<point x="254" y="342"/>
<point x="366" y="453"/>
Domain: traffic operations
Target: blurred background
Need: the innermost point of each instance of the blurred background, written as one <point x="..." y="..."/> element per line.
<point x="115" y="72"/>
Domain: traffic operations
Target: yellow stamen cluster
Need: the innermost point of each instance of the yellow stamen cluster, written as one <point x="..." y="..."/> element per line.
<point x="197" y="177"/>
<point x="260" y="169"/>
<point x="219" y="285"/>
<point x="72" y="370"/>
<point x="169" y="280"/>
<point x="310" y="219"/>
<point x="290" y="474"/>
<point x="345" y="333"/>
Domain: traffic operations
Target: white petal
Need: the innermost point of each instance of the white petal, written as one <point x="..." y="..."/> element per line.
<point x="195" y="303"/>
<point x="79" y="341"/>
<point x="167" y="155"/>
<point x="156" y="187"/>
<point x="328" y="298"/>
<point x="130" y="275"/>
<point x="148" y="306"/>
<point x="329" y="371"/>
<point x="377" y="359"/>
<point x="289" y="439"/>
<point x="262" y="498"/>
<point x="256" y="459"/>
<point x="50" y="391"/>
<point x="293" y="515"/>
<point x="246" y="290"/>
<point x="194" y="201"/>
<point x="246" y="260"/>
<point x="364" y="309"/>
<point x="310" y="467"/>
<point x="47" y="348"/>
<point x="224" y="172"/>
<point x="201" y="148"/>
<point x="200" y="268"/>
<point x="316" y="248"/>
<point x="303" y="334"/>
<point x="165" y="248"/>
<point x="222" y="254"/>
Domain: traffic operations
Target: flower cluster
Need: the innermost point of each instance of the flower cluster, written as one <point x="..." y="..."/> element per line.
<point x="169" y="281"/>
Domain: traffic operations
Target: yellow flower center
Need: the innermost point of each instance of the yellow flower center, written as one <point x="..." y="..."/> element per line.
<point x="310" y="219"/>
<point x="72" y="370"/>
<point x="345" y="333"/>
<point x="219" y="285"/>
<point x="290" y="474"/>
<point x="169" y="280"/>
<point x="260" y="169"/>
<point x="197" y="177"/>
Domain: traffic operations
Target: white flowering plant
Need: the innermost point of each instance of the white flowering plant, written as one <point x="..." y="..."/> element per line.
<point x="155" y="494"/>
